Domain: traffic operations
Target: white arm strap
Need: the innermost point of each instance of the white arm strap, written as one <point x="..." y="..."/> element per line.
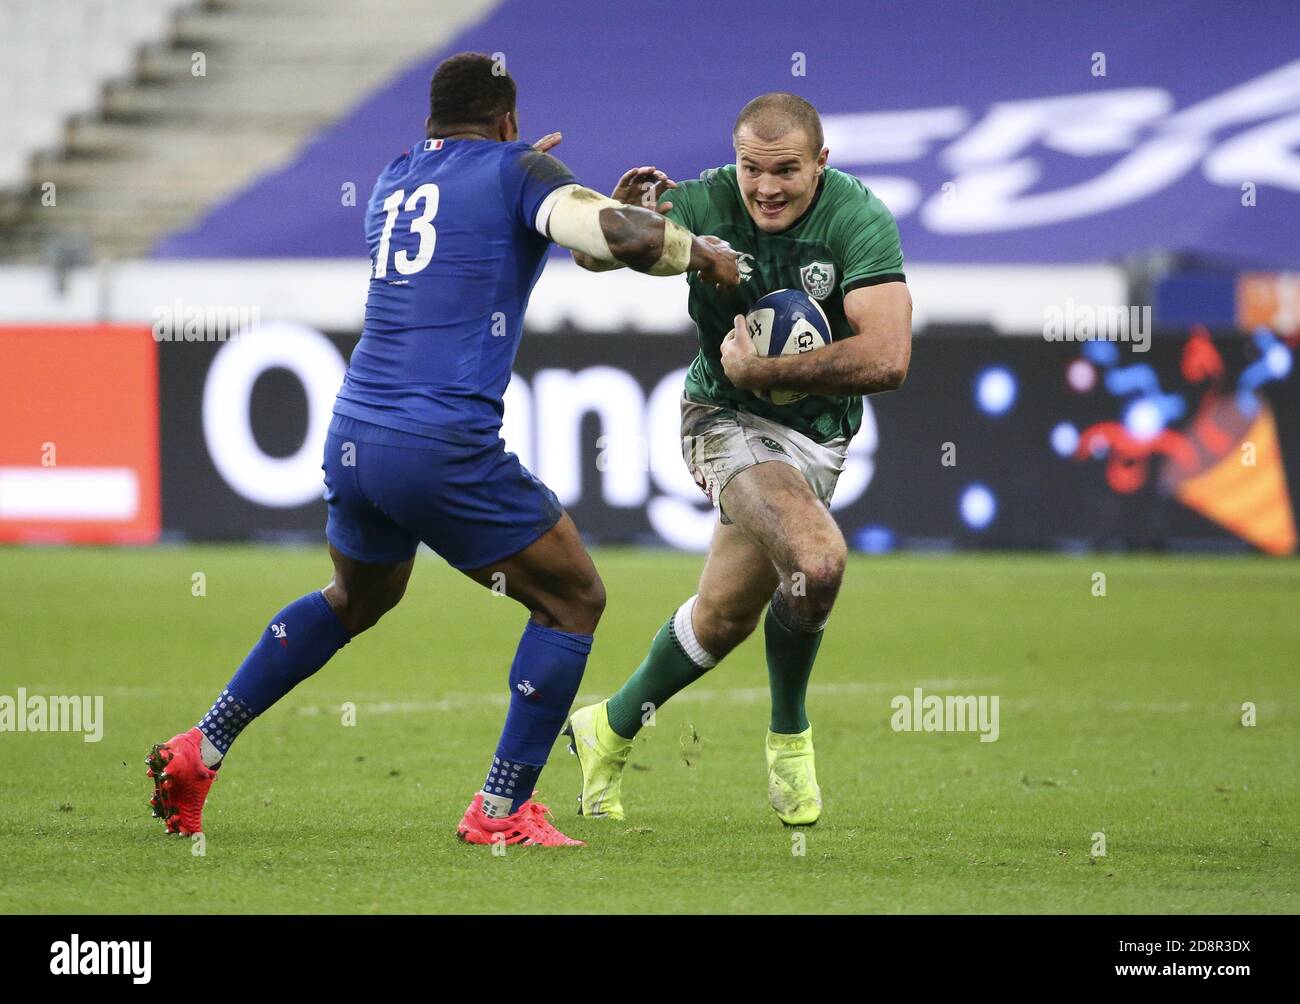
<point x="548" y="203"/>
<point x="570" y="216"/>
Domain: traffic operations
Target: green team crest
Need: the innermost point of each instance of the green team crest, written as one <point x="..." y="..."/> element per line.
<point x="818" y="279"/>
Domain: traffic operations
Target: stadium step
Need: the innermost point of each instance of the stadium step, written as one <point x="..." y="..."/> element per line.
<point x="167" y="144"/>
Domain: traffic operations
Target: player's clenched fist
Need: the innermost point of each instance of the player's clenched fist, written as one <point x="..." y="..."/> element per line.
<point x="740" y="358"/>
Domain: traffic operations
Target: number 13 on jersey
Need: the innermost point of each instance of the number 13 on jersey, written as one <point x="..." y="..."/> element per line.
<point x="421" y="225"/>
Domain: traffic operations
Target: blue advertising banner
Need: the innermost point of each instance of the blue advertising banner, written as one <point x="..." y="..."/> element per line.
<point x="996" y="132"/>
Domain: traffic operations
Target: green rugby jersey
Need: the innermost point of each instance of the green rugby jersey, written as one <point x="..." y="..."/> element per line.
<point x="847" y="238"/>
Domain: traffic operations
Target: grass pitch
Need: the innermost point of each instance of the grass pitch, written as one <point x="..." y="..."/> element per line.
<point x="1119" y="715"/>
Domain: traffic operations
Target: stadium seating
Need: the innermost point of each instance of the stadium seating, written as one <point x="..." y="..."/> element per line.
<point x="57" y="58"/>
<point x="144" y="113"/>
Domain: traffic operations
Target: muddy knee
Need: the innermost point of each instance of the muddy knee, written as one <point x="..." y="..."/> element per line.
<point x="808" y="592"/>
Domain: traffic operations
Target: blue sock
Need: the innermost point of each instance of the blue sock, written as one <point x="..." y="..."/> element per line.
<point x="544" y="680"/>
<point x="300" y="639"/>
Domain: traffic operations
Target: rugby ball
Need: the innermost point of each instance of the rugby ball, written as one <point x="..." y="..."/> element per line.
<point x="787" y="323"/>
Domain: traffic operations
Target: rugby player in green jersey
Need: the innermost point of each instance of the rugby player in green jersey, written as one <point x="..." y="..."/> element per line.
<point x="769" y="469"/>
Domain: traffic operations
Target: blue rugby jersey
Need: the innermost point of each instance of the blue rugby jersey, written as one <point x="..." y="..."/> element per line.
<point x="454" y="257"/>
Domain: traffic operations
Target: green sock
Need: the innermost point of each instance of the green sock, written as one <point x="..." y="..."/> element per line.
<point x="665" y="670"/>
<point x="790" y="657"/>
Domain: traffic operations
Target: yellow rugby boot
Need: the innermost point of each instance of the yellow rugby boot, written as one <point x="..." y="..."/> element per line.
<point x="602" y="754"/>
<point x="792" y="778"/>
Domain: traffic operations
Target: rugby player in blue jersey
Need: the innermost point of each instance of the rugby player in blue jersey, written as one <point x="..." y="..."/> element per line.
<point x="458" y="229"/>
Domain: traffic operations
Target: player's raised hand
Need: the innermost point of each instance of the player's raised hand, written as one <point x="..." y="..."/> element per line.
<point x="548" y="142"/>
<point x="644" y="187"/>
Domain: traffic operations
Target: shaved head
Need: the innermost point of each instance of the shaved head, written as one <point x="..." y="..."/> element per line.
<point x="770" y="116"/>
<point x="779" y="158"/>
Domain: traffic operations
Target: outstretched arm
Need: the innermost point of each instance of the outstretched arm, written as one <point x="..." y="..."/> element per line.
<point x="639" y="186"/>
<point x="875" y="359"/>
<point x="612" y="234"/>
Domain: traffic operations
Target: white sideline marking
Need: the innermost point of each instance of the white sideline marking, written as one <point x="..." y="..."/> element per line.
<point x="745" y="695"/>
<point x="753" y="695"/>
